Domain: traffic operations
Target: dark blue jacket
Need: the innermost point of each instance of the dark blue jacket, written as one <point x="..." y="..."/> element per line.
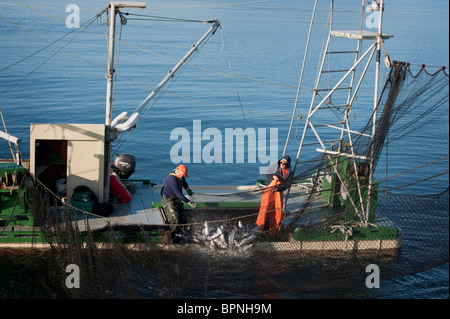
<point x="275" y="169"/>
<point x="175" y="185"/>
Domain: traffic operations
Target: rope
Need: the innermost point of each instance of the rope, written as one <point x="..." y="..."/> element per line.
<point x="86" y="213"/>
<point x="135" y="81"/>
<point x="237" y="92"/>
<point x="242" y="110"/>
<point x="166" y="57"/>
<point x="49" y="58"/>
<point x="117" y="61"/>
<point x="149" y="87"/>
<point x="159" y="18"/>
<point x="209" y="6"/>
<point x="300" y="81"/>
<point x="161" y="92"/>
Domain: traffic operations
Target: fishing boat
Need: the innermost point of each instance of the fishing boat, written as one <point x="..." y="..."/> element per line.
<point x="71" y="179"/>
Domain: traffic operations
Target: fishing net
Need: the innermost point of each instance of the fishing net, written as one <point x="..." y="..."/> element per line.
<point x="219" y="254"/>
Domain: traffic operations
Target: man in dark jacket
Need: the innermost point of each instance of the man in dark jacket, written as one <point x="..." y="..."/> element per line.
<point x="172" y="199"/>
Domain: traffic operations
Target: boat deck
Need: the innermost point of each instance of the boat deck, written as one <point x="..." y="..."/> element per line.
<point x="143" y="209"/>
<point x="138" y="211"/>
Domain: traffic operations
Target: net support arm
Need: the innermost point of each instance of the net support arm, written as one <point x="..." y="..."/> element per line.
<point x="134" y="118"/>
<point x="10" y="138"/>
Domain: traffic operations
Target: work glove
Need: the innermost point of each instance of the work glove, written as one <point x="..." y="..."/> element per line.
<point x="190" y="192"/>
<point x="193" y="205"/>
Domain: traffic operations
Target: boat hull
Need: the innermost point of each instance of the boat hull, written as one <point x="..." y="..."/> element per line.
<point x="144" y="215"/>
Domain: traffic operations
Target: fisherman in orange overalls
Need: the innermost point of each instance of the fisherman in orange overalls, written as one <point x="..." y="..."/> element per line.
<point x="279" y="177"/>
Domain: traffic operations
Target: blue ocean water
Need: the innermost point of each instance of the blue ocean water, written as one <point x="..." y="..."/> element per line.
<point x="262" y="40"/>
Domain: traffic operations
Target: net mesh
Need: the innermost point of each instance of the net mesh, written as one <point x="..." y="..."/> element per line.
<point x="216" y="256"/>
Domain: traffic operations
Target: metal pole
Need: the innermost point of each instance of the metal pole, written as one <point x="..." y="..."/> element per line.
<point x="375" y="110"/>
<point x="113" y="6"/>
<point x="172" y="72"/>
<point x="316" y="85"/>
<point x="110" y="70"/>
<point x="109" y="102"/>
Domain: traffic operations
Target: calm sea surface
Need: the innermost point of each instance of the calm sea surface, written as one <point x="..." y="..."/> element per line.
<point x="262" y="41"/>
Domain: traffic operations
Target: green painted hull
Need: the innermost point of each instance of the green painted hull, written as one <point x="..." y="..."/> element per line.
<point x="18" y="230"/>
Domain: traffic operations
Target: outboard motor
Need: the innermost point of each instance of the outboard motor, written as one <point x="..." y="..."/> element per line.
<point x="125" y="165"/>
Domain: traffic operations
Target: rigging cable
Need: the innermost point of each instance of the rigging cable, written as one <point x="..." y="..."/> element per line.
<point x="144" y="50"/>
<point x="159" y="18"/>
<point x="147" y="86"/>
<point x="293" y="205"/>
<point x="43" y="48"/>
<point x="238" y="95"/>
<point x="169" y="58"/>
<point x="301" y="78"/>
<point x="90" y="21"/>
<point x="163" y="90"/>
<point x="118" y="54"/>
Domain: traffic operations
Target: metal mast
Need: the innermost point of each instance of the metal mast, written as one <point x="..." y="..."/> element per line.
<point x="114" y="7"/>
<point x="328" y="120"/>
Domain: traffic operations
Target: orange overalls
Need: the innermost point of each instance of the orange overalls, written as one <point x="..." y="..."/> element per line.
<point x="271" y="207"/>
